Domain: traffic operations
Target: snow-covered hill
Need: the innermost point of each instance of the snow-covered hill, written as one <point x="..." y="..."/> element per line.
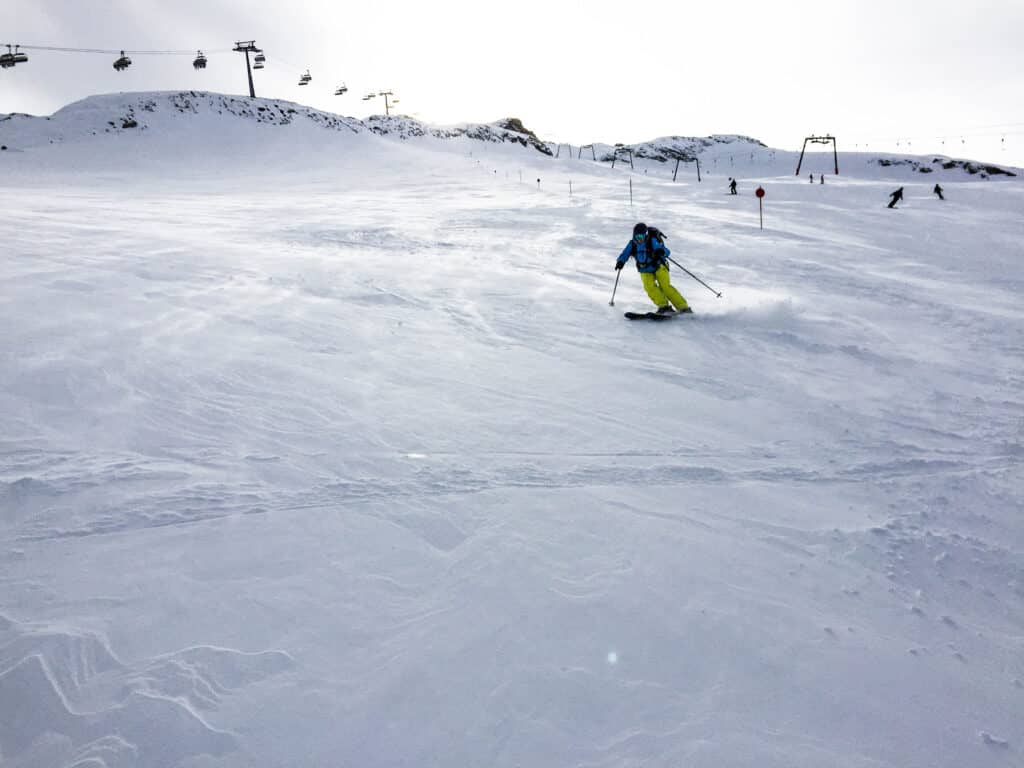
<point x="321" y="446"/>
<point x="170" y="111"/>
<point x="195" y="113"/>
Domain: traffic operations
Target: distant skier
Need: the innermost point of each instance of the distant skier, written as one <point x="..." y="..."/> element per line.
<point x="896" y="197"/>
<point x="732" y="186"/>
<point x="822" y="177"/>
<point x="938" y="191"/>
<point x="812" y="178"/>
<point x="651" y="254"/>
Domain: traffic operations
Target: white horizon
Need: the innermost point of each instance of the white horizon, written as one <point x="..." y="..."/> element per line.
<point x="881" y="77"/>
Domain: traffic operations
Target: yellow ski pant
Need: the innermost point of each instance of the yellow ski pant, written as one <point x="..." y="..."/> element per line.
<point x="660" y="289"/>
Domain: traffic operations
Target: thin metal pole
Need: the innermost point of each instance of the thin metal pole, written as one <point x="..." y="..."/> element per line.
<point x="631" y="191"/>
<point x="698" y="169"/>
<point x="717" y="293"/>
<point x="801" y="160"/>
<point x="252" y="90"/>
<point x="618" y="272"/>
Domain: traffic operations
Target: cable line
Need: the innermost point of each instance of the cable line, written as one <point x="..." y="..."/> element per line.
<point x="115" y="51"/>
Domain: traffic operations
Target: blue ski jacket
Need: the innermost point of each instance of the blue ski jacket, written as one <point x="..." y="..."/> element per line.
<point x="650" y="254"/>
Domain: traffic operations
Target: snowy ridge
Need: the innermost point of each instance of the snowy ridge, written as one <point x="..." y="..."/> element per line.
<point x="169" y="112"/>
<point x="510" y="130"/>
<point x="684" y="148"/>
<point x="138" y="112"/>
<point x="984" y="170"/>
<point x="742" y="155"/>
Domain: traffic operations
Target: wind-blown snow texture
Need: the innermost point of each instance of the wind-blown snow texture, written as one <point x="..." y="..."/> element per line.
<point x="320" y="447"/>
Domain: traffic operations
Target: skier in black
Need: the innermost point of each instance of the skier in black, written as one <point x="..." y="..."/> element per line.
<point x="938" y="191"/>
<point x="896" y="197"/>
<point x="732" y="186"/>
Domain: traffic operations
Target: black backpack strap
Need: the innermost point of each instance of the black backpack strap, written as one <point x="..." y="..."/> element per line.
<point x="655" y="240"/>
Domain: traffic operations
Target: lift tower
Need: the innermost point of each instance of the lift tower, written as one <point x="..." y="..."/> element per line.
<point x="819" y="140"/>
<point x="247" y="47"/>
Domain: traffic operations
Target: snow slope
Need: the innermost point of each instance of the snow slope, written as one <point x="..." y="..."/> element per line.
<point x="324" y="447"/>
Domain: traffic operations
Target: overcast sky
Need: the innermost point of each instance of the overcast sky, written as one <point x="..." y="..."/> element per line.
<point x="870" y="72"/>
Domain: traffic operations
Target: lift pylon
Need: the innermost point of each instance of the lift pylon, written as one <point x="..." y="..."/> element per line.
<point x="819" y="140"/>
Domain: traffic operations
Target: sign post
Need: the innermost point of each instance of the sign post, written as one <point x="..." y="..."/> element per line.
<point x="760" y="204"/>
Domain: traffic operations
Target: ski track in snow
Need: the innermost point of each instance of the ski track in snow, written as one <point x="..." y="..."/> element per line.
<point x="347" y="460"/>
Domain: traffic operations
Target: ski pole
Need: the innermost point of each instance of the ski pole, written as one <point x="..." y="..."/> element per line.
<point x="615" y="288"/>
<point x="717" y="293"/>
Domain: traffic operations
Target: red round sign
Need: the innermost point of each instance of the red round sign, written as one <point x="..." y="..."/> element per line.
<point x="759" y="192"/>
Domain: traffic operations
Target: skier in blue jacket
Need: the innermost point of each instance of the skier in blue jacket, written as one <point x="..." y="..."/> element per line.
<point x="651" y="255"/>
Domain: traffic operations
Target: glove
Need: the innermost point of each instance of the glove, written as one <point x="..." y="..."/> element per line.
<point x="618" y="265"/>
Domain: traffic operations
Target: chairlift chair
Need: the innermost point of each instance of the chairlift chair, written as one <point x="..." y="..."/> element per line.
<point x="259" y="60"/>
<point x="342" y="90"/>
<point x="122" y="63"/>
<point x="9" y="59"/>
<point x="304" y="80"/>
<point x="369" y="96"/>
<point x="200" y="61"/>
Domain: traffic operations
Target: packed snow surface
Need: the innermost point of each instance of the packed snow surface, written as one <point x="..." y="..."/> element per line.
<point x="320" y="447"/>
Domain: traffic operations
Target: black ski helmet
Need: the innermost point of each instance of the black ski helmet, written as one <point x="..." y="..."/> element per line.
<point x="640" y="229"/>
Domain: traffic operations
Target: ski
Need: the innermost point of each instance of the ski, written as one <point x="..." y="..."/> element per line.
<point x="654" y="315"/>
<point x="647" y="316"/>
